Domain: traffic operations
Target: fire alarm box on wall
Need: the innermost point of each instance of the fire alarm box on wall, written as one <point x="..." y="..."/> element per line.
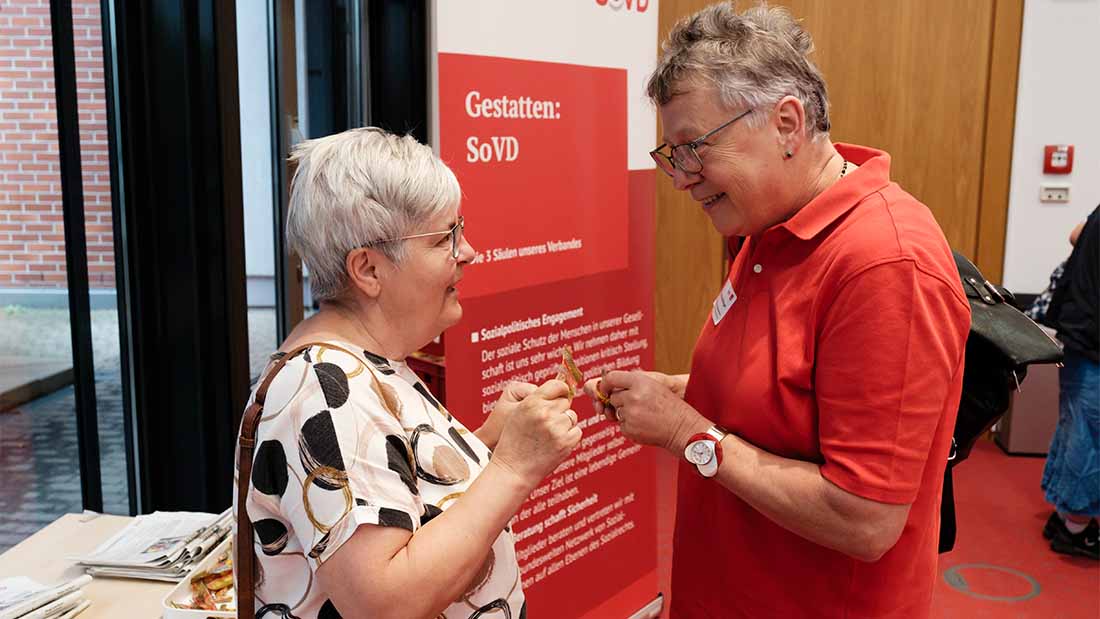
<point x="1058" y="159"/>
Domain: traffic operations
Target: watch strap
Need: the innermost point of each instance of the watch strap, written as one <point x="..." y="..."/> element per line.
<point x="714" y="435"/>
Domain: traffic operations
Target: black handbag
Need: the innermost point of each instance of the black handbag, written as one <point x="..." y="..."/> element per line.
<point x="995" y="319"/>
<point x="1002" y="343"/>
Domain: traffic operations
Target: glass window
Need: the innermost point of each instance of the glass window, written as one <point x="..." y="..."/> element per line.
<point x="40" y="476"/>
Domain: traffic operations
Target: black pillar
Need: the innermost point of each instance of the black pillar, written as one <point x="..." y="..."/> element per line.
<point x="399" y="66"/>
<point x="76" y="256"/>
<point x="182" y="232"/>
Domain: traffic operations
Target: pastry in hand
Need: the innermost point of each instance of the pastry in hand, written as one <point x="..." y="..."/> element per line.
<point x="568" y="372"/>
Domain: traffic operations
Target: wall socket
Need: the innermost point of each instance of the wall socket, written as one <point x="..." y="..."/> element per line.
<point x="1054" y="192"/>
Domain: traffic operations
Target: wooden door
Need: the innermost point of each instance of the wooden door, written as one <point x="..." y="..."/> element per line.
<point x="933" y="83"/>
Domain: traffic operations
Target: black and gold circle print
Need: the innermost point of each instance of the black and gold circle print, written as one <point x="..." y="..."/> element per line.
<point x="437" y="460"/>
<point x="400" y="461"/>
<point x="462" y="444"/>
<point x="350" y="439"/>
<point x="328" y="611"/>
<point x="334" y="383"/>
<point x="269" y="470"/>
<point x="319" y="450"/>
<point x="430" y="511"/>
<point x="272" y="535"/>
<point x="276" y="611"/>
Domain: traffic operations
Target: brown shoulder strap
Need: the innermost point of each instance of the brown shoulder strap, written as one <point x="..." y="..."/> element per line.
<point x="243" y="545"/>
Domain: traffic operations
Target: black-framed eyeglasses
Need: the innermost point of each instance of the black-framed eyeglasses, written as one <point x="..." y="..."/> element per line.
<point x="455" y="231"/>
<point x="683" y="156"/>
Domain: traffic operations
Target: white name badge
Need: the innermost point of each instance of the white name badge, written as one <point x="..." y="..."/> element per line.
<point x="723" y="302"/>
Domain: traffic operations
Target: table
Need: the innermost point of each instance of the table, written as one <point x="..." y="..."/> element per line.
<point x="42" y="557"/>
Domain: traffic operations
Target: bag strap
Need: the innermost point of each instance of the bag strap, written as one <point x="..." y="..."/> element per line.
<point x="976" y="286"/>
<point x="243" y="545"/>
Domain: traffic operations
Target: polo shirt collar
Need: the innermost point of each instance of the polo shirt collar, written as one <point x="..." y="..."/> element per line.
<point x="873" y="175"/>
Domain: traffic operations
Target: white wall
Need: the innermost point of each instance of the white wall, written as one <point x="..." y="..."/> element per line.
<point x="252" y="69"/>
<point x="1056" y="103"/>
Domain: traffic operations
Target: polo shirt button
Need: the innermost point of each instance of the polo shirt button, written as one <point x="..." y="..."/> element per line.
<point x="757" y="268"/>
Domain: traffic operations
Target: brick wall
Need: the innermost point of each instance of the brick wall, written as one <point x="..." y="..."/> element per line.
<point x="32" y="238"/>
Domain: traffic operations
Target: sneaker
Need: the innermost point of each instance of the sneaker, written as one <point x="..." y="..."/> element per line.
<point x="1084" y="544"/>
<point x="1055" y="526"/>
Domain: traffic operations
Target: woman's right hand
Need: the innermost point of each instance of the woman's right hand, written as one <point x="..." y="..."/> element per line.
<point x="539" y="434"/>
<point x="676" y="383"/>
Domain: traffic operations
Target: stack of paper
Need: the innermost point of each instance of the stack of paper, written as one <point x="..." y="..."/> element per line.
<point x="23" y="598"/>
<point x="158" y="546"/>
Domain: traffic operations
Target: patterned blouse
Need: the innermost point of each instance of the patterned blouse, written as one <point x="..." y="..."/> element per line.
<point x="347" y="440"/>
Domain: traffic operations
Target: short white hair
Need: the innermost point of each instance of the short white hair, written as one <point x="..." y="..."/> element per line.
<point x="360" y="187"/>
<point x="751" y="59"/>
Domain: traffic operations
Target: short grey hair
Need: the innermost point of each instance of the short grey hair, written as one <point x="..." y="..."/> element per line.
<point x="752" y="59"/>
<point x="359" y="187"/>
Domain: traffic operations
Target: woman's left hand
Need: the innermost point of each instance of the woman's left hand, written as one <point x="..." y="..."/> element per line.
<point x="649" y="412"/>
<point x="514" y="392"/>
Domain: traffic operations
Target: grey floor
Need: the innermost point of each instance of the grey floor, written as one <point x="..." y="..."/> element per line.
<point x="39" y="464"/>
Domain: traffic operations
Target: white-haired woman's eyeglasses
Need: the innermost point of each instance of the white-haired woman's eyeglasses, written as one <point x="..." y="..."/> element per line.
<point x="455" y="231"/>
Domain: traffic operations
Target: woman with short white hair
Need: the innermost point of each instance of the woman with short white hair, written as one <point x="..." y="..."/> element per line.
<point x="366" y="496"/>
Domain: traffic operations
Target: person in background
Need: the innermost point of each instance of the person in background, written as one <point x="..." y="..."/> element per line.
<point x="1071" y="478"/>
<point x="367" y="497"/>
<point x="815" y="425"/>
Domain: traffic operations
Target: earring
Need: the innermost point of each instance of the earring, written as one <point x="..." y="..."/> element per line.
<point x="788" y="155"/>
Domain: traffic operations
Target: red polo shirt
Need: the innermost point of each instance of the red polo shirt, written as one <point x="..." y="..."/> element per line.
<point x="844" y="347"/>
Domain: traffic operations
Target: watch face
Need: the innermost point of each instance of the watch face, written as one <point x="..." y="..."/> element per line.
<point x="700" y="452"/>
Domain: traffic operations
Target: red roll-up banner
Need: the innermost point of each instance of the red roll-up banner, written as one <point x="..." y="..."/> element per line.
<point x="541" y="115"/>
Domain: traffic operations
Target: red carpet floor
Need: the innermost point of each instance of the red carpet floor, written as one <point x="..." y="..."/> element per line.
<point x="1001" y="557"/>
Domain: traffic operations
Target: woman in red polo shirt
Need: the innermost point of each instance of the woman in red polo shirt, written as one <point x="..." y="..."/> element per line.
<point x="816" y="422"/>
